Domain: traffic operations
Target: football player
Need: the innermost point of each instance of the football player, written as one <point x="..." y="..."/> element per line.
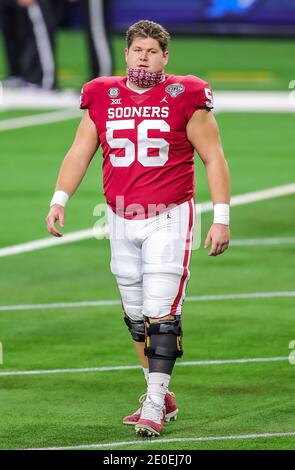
<point x="149" y="124"/>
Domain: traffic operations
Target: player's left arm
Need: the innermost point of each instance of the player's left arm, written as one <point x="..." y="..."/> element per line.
<point x="203" y="133"/>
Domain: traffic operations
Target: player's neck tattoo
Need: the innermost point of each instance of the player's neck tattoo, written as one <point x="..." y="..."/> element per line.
<point x="144" y="79"/>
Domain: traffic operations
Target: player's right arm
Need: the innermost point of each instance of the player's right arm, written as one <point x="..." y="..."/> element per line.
<point x="73" y="168"/>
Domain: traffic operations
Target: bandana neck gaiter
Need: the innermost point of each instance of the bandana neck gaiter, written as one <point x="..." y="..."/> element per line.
<point x="144" y="79"/>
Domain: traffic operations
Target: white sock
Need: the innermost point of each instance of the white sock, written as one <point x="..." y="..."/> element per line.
<point x="146" y="374"/>
<point x="157" y="387"/>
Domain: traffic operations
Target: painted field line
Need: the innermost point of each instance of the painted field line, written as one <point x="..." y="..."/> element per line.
<point x="216" y="362"/>
<point x="255" y="196"/>
<point x="91" y="303"/>
<point x="103" y="231"/>
<point x="107" y="303"/>
<point x="51" y="241"/>
<point x="262" y="241"/>
<point x="251" y="295"/>
<point x="164" y="441"/>
<point x="254" y="101"/>
<point x="38" y="119"/>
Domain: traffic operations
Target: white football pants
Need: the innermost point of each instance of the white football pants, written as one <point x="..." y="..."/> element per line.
<point x="150" y="260"/>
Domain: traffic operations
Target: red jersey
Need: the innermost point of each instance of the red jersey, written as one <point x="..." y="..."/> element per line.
<point x="148" y="160"/>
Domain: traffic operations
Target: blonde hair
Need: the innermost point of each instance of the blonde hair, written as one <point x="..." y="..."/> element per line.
<point x="148" y="29"/>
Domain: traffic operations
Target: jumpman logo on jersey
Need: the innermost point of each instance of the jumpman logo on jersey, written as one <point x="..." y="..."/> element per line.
<point x="164" y="100"/>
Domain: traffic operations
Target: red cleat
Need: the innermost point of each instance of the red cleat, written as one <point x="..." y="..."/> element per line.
<point x="171" y="410"/>
<point x="171" y="407"/>
<point x="152" y="419"/>
<point x="132" y="419"/>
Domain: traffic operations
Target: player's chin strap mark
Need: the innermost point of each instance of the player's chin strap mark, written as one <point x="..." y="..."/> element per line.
<point x="136" y="329"/>
<point x="163" y="339"/>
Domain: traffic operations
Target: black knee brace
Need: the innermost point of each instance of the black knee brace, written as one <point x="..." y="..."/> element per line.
<point x="159" y="347"/>
<point x="136" y="329"/>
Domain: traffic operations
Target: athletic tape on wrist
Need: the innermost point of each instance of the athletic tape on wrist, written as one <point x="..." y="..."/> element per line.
<point x="59" y="197"/>
<point x="221" y="214"/>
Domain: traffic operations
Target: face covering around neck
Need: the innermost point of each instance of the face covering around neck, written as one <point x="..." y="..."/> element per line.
<point x="144" y="79"/>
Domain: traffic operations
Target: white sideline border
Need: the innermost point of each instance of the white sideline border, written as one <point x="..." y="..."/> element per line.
<point x="38" y="99"/>
<point x="108" y="303"/>
<point x="224" y="101"/>
<point x="163" y="441"/>
<point x="261" y="195"/>
<point x="215" y="362"/>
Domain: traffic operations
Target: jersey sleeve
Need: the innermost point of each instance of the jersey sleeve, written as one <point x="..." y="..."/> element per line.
<point x="91" y="93"/>
<point x="85" y="97"/>
<point x="199" y="97"/>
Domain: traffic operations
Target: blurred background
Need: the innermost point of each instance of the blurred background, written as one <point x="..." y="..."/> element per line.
<point x="59" y="303"/>
<point x="236" y="44"/>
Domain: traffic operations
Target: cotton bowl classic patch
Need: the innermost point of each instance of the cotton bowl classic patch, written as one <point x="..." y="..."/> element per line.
<point x="175" y="89"/>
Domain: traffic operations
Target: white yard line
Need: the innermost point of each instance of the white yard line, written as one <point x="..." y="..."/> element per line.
<point x="38" y="119"/>
<point x="164" y="441"/>
<point x="107" y="303"/>
<point x="99" y="232"/>
<point x="124" y="368"/>
<point x="252" y="295"/>
<point x="92" y="303"/>
<point x="262" y="241"/>
<point x="254" y="101"/>
<point x="51" y="241"/>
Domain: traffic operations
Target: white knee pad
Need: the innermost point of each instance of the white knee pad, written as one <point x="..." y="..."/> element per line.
<point x="160" y="291"/>
<point x="154" y="309"/>
<point x="131" y="294"/>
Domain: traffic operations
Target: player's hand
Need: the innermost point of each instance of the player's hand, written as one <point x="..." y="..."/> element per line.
<point x="218" y="238"/>
<point x="56" y="213"/>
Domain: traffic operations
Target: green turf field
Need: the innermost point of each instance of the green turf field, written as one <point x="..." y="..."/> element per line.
<point x="215" y="400"/>
<point x="226" y="399"/>
<point x="254" y="64"/>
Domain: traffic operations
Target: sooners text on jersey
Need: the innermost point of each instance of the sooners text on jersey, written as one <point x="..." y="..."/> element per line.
<point x="148" y="161"/>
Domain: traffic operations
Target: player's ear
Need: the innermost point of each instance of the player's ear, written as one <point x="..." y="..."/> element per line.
<point x="126" y="50"/>
<point x="166" y="57"/>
